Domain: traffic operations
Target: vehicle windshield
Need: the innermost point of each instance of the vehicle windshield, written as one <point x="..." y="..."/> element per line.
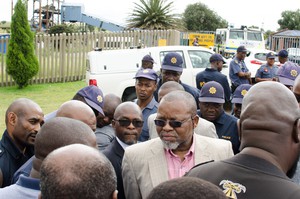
<point x="254" y="36"/>
<point x="236" y="34"/>
<point x="199" y="59"/>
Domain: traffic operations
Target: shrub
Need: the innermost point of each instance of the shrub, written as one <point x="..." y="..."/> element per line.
<point x="22" y="64"/>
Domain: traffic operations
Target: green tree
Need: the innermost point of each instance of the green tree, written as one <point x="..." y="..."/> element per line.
<point x="198" y="17"/>
<point x="153" y="15"/>
<point x="22" y="64"/>
<point x="290" y="20"/>
<point x="63" y="28"/>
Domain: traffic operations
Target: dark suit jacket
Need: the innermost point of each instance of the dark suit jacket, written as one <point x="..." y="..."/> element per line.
<point x="114" y="152"/>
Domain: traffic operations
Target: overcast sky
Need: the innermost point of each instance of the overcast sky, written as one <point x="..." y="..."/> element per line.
<point x="252" y="12"/>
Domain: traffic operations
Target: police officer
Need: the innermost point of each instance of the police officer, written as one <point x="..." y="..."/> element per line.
<point x="213" y="74"/>
<point x="283" y="56"/>
<point x="287" y="74"/>
<point x="147" y="62"/>
<point x="171" y="70"/>
<point x="23" y="120"/>
<point x="268" y="71"/>
<point x="237" y="98"/>
<point x="211" y="107"/>
<point x="238" y="71"/>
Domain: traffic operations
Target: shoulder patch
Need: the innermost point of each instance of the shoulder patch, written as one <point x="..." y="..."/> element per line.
<point x="231" y="189"/>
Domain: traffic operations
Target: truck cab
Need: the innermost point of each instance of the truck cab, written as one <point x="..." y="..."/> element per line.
<point x="227" y="40"/>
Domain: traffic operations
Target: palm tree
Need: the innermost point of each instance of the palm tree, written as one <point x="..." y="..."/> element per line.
<point x="152" y="14"/>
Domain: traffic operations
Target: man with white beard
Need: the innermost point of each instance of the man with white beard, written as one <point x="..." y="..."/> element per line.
<point x="175" y="152"/>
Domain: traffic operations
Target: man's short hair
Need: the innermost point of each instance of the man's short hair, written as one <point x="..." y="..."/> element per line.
<point x="188" y="188"/>
<point x="85" y="174"/>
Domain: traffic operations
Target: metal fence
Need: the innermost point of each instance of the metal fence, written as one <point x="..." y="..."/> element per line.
<point x="62" y="58"/>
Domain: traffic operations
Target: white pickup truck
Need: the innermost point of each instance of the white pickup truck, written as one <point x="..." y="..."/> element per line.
<point x="113" y="70"/>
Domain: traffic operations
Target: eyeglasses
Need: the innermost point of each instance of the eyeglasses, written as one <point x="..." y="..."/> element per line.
<point x="126" y="122"/>
<point x="172" y="123"/>
<point x="297" y="97"/>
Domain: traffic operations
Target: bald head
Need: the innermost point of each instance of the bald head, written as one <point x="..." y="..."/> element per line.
<point x="23" y="120"/>
<point x="269" y="122"/>
<point x="79" y="111"/>
<point x="268" y="102"/>
<point x="89" y="174"/>
<point x="188" y="188"/>
<point x="184" y="97"/>
<point x="125" y="107"/>
<point x="62" y="131"/>
<point x="168" y="87"/>
<point x="111" y="101"/>
<point x="21" y="107"/>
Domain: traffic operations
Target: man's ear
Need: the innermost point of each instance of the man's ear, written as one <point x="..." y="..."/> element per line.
<point x="195" y="121"/>
<point x="12" y="118"/>
<point x="40" y="196"/>
<point x="113" y="123"/>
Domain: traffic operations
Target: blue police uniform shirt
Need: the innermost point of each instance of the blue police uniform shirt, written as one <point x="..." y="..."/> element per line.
<point x="235" y="67"/>
<point x="265" y="71"/>
<point x="210" y="74"/>
<point x="24" y="170"/>
<point x="148" y="110"/>
<point x="226" y="127"/>
<point x="11" y="158"/>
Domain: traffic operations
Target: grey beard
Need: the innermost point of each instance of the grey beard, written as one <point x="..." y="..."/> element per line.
<point x="170" y="145"/>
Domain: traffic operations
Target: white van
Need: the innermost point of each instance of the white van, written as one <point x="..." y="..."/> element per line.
<point x="113" y="70"/>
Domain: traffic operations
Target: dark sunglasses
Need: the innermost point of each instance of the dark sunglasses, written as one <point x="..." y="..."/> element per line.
<point x="172" y="123"/>
<point x="297" y="97"/>
<point x="126" y="123"/>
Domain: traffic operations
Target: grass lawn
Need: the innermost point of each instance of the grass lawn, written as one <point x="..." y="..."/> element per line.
<point x="48" y="96"/>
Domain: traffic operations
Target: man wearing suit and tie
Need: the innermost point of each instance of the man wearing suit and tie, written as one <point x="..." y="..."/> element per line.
<point x="127" y="123"/>
<point x="175" y="152"/>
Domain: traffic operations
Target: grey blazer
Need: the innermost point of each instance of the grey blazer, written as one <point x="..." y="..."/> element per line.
<point x="144" y="164"/>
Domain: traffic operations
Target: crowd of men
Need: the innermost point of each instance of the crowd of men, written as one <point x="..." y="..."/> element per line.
<point x="173" y="141"/>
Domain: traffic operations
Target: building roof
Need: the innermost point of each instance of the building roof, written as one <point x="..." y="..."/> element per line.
<point x="288" y="33"/>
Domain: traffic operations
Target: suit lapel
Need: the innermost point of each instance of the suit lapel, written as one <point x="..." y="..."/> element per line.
<point x="119" y="151"/>
<point x="201" y="152"/>
<point x="158" y="164"/>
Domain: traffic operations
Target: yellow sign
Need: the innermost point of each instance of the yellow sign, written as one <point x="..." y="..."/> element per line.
<point x="204" y="40"/>
<point x="162" y="42"/>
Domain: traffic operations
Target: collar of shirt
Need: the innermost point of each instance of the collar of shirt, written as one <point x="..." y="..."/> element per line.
<point x="12" y="149"/>
<point x="123" y="145"/>
<point x="28" y="182"/>
<point x="177" y="167"/>
<point x="151" y="104"/>
<point x="221" y="119"/>
<point x="211" y="69"/>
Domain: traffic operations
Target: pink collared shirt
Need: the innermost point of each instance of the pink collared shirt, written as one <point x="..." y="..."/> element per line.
<point x="176" y="167"/>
